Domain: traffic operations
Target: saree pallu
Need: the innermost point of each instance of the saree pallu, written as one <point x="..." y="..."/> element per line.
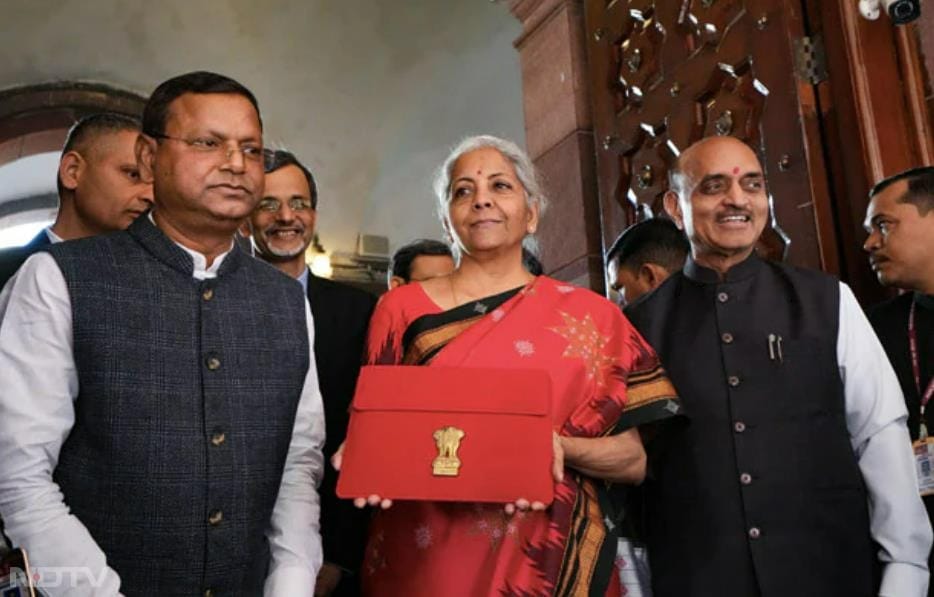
<point x="596" y="362"/>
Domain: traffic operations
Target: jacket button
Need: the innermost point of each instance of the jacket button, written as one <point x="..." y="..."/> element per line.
<point x="745" y="478"/>
<point x="218" y="437"/>
<point x="732" y="380"/>
<point x="214" y="363"/>
<point x="739" y="426"/>
<point x="755" y="533"/>
<point x="723" y="297"/>
<point x="208" y="294"/>
<point x="215" y="517"/>
<point x="727" y="338"/>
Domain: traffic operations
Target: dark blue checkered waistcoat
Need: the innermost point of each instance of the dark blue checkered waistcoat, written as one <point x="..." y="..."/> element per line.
<point x="188" y="392"/>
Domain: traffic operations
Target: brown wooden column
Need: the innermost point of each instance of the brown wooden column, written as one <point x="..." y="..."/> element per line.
<point x="925" y="31"/>
<point x="559" y="136"/>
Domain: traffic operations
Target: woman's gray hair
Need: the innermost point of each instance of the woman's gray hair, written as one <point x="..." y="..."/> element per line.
<point x="525" y="172"/>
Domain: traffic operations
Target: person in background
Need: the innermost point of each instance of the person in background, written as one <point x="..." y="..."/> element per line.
<point x="160" y="419"/>
<point x="900" y="223"/>
<point x="99" y="187"/>
<point x="643" y="256"/>
<point x="639" y="260"/>
<point x="795" y="475"/>
<point x="418" y="261"/>
<point x="282" y="226"/>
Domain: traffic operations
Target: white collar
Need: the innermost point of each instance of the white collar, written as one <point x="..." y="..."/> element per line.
<point x="201" y="271"/>
<point x="53" y="238"/>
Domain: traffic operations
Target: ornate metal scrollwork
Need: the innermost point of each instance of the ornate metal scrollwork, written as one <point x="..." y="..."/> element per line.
<point x="646" y="177"/>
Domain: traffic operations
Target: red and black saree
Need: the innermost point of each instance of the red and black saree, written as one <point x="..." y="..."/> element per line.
<point x="597" y="363"/>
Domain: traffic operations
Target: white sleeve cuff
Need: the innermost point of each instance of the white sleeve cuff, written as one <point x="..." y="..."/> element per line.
<point x="288" y="580"/>
<point x="904" y="580"/>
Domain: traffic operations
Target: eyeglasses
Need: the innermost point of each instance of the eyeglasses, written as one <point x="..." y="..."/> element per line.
<point x="271" y="204"/>
<point x="217" y="147"/>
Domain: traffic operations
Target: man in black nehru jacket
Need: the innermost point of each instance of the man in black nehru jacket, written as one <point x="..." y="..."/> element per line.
<point x="794" y="475"/>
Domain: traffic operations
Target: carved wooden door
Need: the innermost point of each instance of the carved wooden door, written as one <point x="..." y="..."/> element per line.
<point x="664" y="74"/>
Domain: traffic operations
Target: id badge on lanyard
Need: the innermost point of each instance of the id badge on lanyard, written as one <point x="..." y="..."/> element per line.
<point x="924" y="446"/>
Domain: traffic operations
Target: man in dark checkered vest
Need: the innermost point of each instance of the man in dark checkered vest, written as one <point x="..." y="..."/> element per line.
<point x="160" y="418"/>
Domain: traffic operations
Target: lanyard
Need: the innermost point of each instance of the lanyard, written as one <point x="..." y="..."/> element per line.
<point x="915" y="362"/>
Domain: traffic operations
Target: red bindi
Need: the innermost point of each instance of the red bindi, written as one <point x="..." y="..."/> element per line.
<point x="735" y="171"/>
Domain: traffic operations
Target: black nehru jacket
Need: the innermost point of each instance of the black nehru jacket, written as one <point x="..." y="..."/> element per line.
<point x="760" y="493"/>
<point x="341" y="314"/>
<point x="890" y="321"/>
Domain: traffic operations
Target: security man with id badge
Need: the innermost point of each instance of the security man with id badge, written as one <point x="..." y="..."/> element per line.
<point x="924" y="444"/>
<point x="900" y="223"/>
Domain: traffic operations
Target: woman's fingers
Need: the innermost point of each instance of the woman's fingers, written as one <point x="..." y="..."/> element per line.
<point x="373" y="500"/>
<point x="557" y="468"/>
<point x="522" y="505"/>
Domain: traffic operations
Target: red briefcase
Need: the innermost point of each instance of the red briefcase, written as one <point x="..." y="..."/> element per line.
<point x="449" y="434"/>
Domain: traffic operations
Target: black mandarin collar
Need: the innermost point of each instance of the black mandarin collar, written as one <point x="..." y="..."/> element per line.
<point x="925" y="301"/>
<point x="747" y="268"/>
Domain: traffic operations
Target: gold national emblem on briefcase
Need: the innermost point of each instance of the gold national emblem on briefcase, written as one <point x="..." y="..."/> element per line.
<point x="448" y="440"/>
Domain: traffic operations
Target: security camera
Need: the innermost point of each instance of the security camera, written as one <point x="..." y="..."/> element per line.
<point x="900" y="11"/>
<point x="903" y="11"/>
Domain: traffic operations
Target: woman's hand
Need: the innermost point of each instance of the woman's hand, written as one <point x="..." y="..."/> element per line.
<point x="557" y="464"/>
<point x="557" y="471"/>
<point x="338" y="458"/>
<point x="374" y="500"/>
<point x="523" y="505"/>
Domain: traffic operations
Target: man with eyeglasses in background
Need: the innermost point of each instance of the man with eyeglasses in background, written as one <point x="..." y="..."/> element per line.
<point x="281" y="227"/>
<point x="160" y="382"/>
<point x="900" y="242"/>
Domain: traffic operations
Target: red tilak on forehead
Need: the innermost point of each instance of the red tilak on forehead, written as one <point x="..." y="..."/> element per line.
<point x="479" y="172"/>
<point x="735" y="170"/>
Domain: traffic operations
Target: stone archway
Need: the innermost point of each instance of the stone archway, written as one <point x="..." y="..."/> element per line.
<point x="36" y="118"/>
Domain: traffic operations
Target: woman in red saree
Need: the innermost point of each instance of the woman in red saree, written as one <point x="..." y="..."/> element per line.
<point x="492" y="313"/>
